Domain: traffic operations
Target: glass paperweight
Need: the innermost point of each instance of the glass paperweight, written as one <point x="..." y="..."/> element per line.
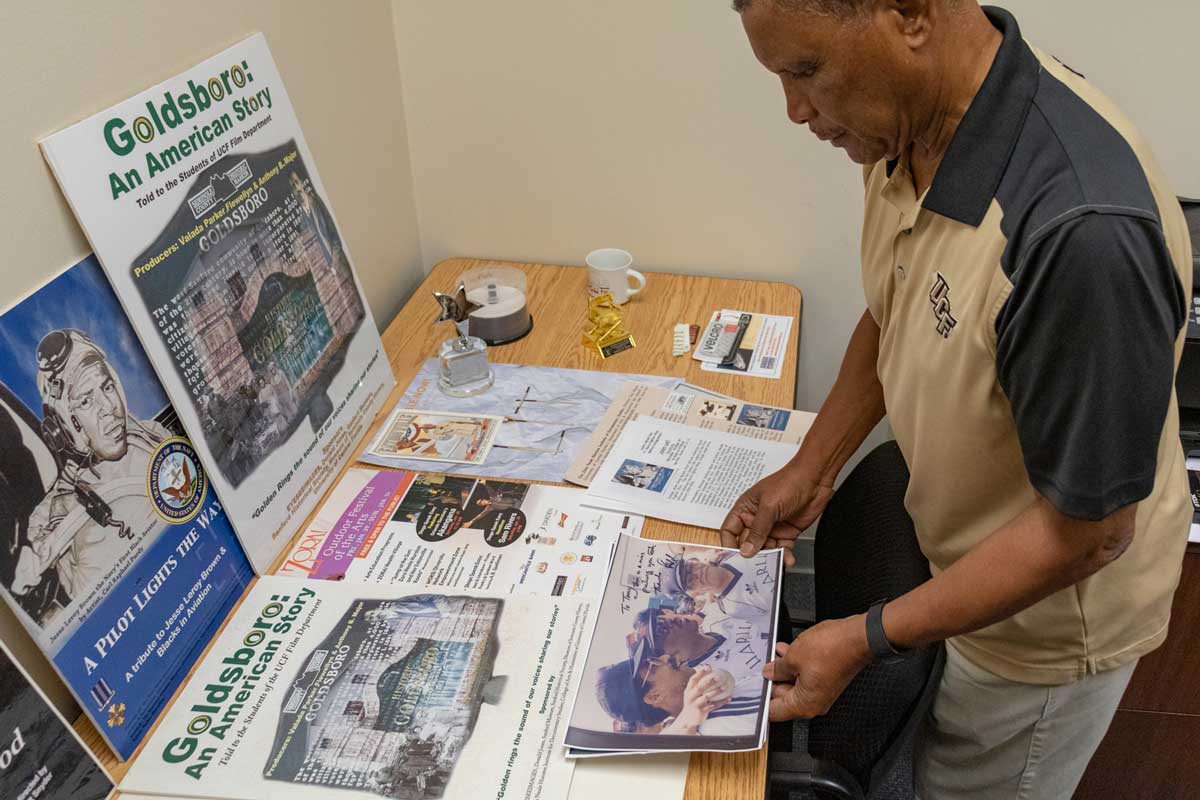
<point x="465" y="371"/>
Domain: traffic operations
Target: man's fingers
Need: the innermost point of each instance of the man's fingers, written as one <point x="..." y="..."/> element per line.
<point x="789" y="558"/>
<point x="760" y="530"/>
<point x="780" y="670"/>
<point x="732" y="527"/>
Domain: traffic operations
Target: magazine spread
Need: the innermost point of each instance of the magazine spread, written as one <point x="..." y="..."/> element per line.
<point x="547" y="413"/>
<point x="118" y="557"/>
<point x="448" y="532"/>
<point x="676" y="659"/>
<point x="682" y="473"/>
<point x="767" y="423"/>
<point x="41" y="758"/>
<point x="320" y="689"/>
<point x="203" y="204"/>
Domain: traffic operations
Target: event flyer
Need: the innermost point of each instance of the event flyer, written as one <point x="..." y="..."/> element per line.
<point x="41" y="758"/>
<point x="448" y="532"/>
<point x="117" y="556"/>
<point x="203" y="204"/>
<point x="320" y="689"/>
<point x="676" y="659"/>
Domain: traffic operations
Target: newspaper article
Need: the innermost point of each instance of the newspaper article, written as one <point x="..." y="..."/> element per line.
<point x="676" y="659"/>
<point x="687" y="407"/>
<point x="203" y="203"/>
<point x="324" y="689"/>
<point x="681" y="473"/>
<point x="449" y="532"/>
<point x="118" y="557"/>
<point x="41" y="758"/>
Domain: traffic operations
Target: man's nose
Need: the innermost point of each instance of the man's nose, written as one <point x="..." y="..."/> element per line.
<point x="799" y="109"/>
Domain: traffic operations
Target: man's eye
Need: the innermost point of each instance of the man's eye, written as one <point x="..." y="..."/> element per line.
<point x="803" y="72"/>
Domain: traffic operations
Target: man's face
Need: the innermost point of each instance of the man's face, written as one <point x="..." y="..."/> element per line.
<point x="846" y="78"/>
<point x="665" y="681"/>
<point x="701" y="577"/>
<point x="98" y="412"/>
<point x="679" y="635"/>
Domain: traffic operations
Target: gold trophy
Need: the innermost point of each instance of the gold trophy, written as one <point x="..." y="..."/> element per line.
<point x="606" y="333"/>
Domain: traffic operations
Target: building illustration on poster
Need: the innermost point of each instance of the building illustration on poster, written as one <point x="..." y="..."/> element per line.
<point x="388" y="700"/>
<point x="108" y="517"/>
<point x="256" y="316"/>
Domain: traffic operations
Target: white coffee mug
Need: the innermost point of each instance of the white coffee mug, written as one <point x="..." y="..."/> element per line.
<point x="609" y="271"/>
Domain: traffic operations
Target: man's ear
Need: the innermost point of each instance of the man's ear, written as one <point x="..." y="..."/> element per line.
<point x="911" y="19"/>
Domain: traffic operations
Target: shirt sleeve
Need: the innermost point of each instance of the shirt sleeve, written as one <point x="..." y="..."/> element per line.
<point x="1085" y="352"/>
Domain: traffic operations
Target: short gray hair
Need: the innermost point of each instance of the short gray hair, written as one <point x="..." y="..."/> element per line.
<point x="842" y="8"/>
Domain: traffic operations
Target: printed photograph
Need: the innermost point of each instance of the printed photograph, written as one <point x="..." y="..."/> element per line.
<point x="81" y="418"/>
<point x="676" y="659"/>
<point x="437" y="436"/>
<point x="717" y="410"/>
<point x="257" y="315"/>
<point x="774" y="419"/>
<point x="641" y="475"/>
<point x="401" y="684"/>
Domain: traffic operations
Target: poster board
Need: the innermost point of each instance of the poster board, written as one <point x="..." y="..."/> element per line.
<point x="203" y="203"/>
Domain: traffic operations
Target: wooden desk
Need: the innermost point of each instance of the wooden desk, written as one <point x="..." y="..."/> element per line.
<point x="558" y="301"/>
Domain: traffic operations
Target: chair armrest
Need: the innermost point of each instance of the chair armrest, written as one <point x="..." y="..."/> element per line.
<point x="802" y="771"/>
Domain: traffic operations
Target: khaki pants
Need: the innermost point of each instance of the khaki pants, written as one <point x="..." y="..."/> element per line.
<point x="988" y="738"/>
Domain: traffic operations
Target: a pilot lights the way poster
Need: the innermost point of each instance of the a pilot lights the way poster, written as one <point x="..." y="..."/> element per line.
<point x="116" y="554"/>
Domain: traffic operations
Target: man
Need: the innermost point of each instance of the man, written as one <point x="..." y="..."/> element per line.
<point x="720" y="588"/>
<point x="1026" y="267"/>
<point x="97" y="507"/>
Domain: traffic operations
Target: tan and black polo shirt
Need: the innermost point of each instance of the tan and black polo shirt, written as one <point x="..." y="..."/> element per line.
<point x="1031" y="307"/>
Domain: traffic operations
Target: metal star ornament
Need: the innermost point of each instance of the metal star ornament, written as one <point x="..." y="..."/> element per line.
<point x="455" y="307"/>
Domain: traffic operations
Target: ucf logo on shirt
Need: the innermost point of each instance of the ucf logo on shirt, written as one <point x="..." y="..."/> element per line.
<point x="939" y="298"/>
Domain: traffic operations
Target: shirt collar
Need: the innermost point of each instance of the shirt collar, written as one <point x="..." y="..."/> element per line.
<point x="970" y="172"/>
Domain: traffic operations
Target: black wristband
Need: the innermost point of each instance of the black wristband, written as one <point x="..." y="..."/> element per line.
<point x="877" y="640"/>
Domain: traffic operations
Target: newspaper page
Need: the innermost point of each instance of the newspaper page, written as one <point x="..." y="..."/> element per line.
<point x="686" y="407"/>
<point x="547" y="413"/>
<point x="203" y="203"/>
<point x="325" y="689"/>
<point x="41" y="757"/>
<point x="761" y="350"/>
<point x="681" y="473"/>
<point x="118" y="557"/>
<point x="449" y="532"/>
<point x="676" y="659"/>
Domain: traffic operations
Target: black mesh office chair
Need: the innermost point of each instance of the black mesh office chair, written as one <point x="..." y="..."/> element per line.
<point x="866" y="550"/>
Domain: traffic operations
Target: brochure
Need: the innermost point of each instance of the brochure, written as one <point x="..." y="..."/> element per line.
<point x="323" y="689"/>
<point x="117" y="557"/>
<point x="436" y="436"/>
<point x="681" y="473"/>
<point x="448" y="532"/>
<point x="547" y="413"/>
<point x="203" y="203"/>
<point x="676" y="659"/>
<point x="687" y="408"/>
<point x="758" y="345"/>
<point x="41" y="758"/>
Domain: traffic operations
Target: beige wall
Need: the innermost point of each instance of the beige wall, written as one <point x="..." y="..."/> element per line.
<point x="541" y="129"/>
<point x="64" y="61"/>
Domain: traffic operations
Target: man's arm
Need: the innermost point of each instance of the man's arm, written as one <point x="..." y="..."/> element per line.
<point x="1036" y="554"/>
<point x="778" y="508"/>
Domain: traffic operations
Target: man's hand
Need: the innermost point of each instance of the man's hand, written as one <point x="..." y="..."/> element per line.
<point x="813" y="671"/>
<point x="774" y="511"/>
<point x="706" y="691"/>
